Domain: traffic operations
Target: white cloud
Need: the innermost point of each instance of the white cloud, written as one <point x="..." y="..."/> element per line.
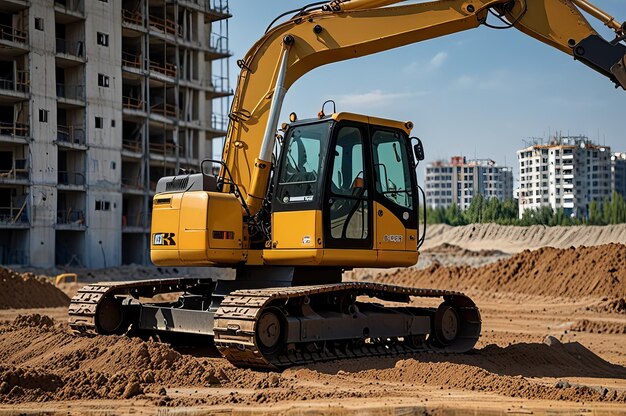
<point x="465" y="80"/>
<point x="377" y="97"/>
<point x="437" y="61"/>
<point x="431" y="65"/>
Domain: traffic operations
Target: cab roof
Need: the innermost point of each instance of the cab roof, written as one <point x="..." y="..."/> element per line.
<point x="406" y="126"/>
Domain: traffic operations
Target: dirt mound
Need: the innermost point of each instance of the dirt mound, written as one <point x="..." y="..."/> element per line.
<point x="507" y="371"/>
<point x="598" y="271"/>
<point x="454" y="250"/>
<point x="599" y="327"/>
<point x="611" y="306"/>
<point x="19" y="291"/>
<point x="512" y="239"/>
<point x="34" y="320"/>
<point x="41" y="363"/>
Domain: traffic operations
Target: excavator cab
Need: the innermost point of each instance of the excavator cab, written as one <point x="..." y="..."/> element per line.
<point x="345" y="185"/>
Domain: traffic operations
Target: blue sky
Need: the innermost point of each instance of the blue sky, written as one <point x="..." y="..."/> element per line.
<point x="477" y="93"/>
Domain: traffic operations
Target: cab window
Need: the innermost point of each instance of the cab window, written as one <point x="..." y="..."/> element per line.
<point x="302" y="163"/>
<point x="392" y="167"/>
<point x="348" y="202"/>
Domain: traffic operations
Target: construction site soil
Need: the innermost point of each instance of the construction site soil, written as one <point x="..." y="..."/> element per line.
<point x="553" y="342"/>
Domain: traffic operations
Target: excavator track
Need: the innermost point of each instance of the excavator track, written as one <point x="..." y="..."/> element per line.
<point x="92" y="303"/>
<point x="239" y="338"/>
<point x="275" y="328"/>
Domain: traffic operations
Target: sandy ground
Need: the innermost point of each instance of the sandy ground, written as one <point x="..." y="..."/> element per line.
<point x="553" y="342"/>
<point x="513" y="370"/>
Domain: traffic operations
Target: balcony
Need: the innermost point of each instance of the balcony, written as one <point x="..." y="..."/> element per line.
<point x="132" y="17"/>
<point x="134" y="222"/>
<point x="163" y="149"/>
<point x="14" y="130"/>
<point x="133" y="103"/>
<point x="71" y="179"/>
<point x="219" y="87"/>
<point x="218" y="47"/>
<point x="167" y="69"/>
<point x="133" y="186"/>
<point x="219" y="124"/>
<point x="12" y="35"/>
<point x="164" y="109"/>
<point x="67" y="11"/>
<point x="166" y="26"/>
<point x="70" y="53"/>
<point x="71" y="219"/>
<point x="130" y="60"/>
<point x="71" y="135"/>
<point x="18" y="174"/>
<point x="132" y="146"/>
<point x="215" y="10"/>
<point x="14" y="216"/>
<point x="15" y="89"/>
<point x="71" y="94"/>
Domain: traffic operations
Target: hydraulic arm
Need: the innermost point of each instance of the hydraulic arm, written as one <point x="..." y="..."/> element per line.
<point x="348" y="29"/>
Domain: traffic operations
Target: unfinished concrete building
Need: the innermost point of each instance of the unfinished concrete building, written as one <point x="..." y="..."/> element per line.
<point x="98" y="100"/>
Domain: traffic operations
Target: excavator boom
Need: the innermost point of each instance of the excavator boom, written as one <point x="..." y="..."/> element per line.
<point x="350" y="29"/>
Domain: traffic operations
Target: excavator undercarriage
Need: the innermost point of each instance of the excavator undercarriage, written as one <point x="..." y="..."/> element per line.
<point x="278" y="327"/>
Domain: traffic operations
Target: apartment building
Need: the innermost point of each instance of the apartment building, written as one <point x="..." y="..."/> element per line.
<point x="458" y="181"/>
<point x="567" y="173"/>
<point x="98" y="100"/>
<point x="618" y="173"/>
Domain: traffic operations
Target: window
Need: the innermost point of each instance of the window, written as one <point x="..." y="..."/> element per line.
<point x="302" y="163"/>
<point x="43" y="115"/>
<point x="103" y="206"/>
<point x="38" y="23"/>
<point x="99" y="122"/>
<point x="391" y="166"/>
<point x="349" y="207"/>
<point x="113" y="123"/>
<point x="103" y="39"/>
<point x="103" y="80"/>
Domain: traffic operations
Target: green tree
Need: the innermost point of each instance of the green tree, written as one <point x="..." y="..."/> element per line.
<point x="595" y="214"/>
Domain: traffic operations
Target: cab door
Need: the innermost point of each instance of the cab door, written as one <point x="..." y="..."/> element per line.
<point x="347" y="208"/>
<point x="395" y="199"/>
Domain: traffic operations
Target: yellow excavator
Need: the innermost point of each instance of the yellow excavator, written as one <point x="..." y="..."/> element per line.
<point x="292" y="208"/>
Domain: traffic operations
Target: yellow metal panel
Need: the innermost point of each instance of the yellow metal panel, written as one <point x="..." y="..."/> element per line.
<point x="254" y="257"/>
<point x="225" y="216"/>
<point x="390" y="232"/>
<point x="305" y="257"/>
<point x="402" y="125"/>
<point x="165" y="219"/>
<point x="192" y="231"/>
<point x="161" y="257"/>
<point x="390" y="258"/>
<point x="411" y="240"/>
<point x="351" y="258"/>
<point x="297" y="229"/>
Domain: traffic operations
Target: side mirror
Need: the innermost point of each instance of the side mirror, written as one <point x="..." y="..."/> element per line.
<point x="418" y="149"/>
